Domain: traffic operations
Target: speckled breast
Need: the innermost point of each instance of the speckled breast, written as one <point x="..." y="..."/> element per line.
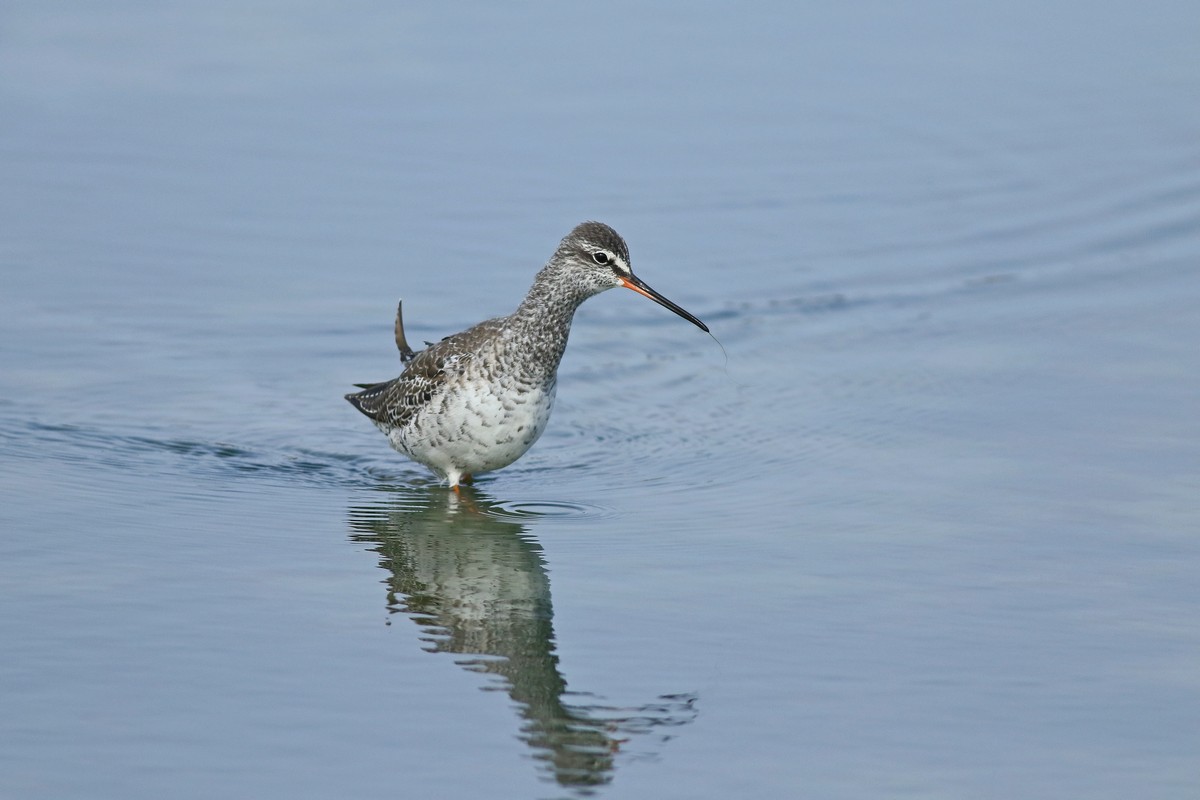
<point x="477" y="425"/>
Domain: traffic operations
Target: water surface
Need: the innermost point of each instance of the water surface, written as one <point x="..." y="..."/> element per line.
<point x="926" y="527"/>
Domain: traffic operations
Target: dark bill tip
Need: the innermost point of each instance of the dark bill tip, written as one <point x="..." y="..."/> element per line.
<point x="638" y="285"/>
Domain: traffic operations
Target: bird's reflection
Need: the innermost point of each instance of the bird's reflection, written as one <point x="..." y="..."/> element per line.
<point x="471" y="576"/>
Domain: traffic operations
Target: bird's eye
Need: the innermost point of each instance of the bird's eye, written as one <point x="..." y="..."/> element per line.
<point x="601" y="257"/>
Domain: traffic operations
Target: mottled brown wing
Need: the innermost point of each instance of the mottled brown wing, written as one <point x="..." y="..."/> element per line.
<point x="394" y="402"/>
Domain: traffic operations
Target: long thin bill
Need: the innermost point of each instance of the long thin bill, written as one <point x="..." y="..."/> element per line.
<point x="638" y="285"/>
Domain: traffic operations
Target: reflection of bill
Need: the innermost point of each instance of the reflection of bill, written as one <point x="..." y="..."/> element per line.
<point x="476" y="583"/>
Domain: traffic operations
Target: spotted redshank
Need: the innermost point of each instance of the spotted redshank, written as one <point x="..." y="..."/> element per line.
<point x="477" y="401"/>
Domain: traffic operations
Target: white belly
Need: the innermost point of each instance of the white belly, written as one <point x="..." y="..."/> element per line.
<point x="475" y="428"/>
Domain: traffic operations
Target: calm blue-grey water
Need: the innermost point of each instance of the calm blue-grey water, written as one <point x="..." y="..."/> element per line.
<point x="928" y="526"/>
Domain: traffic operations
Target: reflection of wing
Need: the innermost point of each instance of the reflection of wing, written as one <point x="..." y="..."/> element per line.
<point x="477" y="584"/>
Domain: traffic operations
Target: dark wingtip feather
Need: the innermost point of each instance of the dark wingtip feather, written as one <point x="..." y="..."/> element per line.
<point x="370" y="401"/>
<point x="355" y="398"/>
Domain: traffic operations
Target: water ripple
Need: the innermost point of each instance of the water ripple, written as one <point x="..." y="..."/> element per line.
<point x="551" y="509"/>
<point x="122" y="451"/>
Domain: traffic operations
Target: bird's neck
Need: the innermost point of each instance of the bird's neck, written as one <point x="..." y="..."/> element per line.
<point x="543" y="320"/>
